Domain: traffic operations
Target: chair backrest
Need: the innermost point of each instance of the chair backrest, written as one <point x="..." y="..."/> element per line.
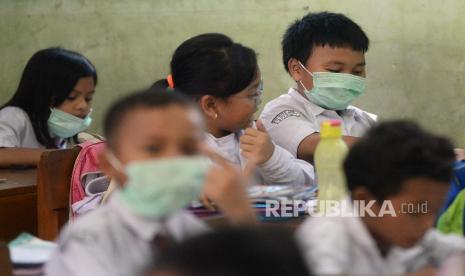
<point x="53" y="185"/>
<point x="6" y="268"/>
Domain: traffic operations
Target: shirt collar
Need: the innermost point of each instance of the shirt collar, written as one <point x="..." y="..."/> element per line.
<point x="221" y="140"/>
<point x="315" y="109"/>
<point x="145" y="228"/>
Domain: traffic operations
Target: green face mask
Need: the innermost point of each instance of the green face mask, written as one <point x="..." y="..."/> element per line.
<point x="334" y="91"/>
<point x="157" y="188"/>
<point x="65" y="125"/>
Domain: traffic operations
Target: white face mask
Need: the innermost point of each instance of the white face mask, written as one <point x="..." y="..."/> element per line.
<point x="65" y="125"/>
<point x="334" y="91"/>
<point x="158" y="187"/>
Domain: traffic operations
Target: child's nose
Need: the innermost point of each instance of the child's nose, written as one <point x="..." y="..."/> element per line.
<point x="173" y="152"/>
<point x="83" y="106"/>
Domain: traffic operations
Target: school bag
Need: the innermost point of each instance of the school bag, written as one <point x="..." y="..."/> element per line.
<point x="451" y="217"/>
<point x="88" y="183"/>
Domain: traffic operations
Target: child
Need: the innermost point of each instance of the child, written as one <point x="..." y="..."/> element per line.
<point x="401" y="174"/>
<point x="158" y="166"/>
<point x="325" y="55"/>
<point x="52" y="103"/>
<point x="233" y="252"/>
<point x="224" y="79"/>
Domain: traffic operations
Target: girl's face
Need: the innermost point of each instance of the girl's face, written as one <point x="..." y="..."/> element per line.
<point x="236" y="112"/>
<point x="78" y="102"/>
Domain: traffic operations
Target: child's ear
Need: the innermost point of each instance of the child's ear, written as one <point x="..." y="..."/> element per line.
<point x="208" y="106"/>
<point x="295" y="69"/>
<point x="109" y="170"/>
<point x="361" y="193"/>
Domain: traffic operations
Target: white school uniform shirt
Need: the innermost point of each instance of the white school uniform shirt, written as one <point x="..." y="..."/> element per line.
<point x="112" y="240"/>
<point x="343" y="246"/>
<point x="16" y="130"/>
<point x="281" y="169"/>
<point x="291" y="117"/>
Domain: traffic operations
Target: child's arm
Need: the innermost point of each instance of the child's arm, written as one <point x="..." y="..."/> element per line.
<point x="226" y="187"/>
<point x="307" y="147"/>
<point x="294" y="132"/>
<point x="276" y="165"/>
<point x="19" y="156"/>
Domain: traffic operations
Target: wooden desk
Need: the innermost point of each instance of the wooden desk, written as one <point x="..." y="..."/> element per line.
<point x="291" y="224"/>
<point x="18" y="203"/>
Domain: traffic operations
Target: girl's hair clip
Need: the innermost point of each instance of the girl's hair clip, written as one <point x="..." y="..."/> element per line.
<point x="169" y="78"/>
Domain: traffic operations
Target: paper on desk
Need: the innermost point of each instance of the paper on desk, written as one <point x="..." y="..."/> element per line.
<point x="27" y="249"/>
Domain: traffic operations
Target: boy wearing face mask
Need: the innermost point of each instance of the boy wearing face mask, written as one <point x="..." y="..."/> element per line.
<point x="325" y="54"/>
<point x="160" y="167"/>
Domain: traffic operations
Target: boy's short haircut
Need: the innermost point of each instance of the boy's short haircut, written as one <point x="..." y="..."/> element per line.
<point x="154" y="97"/>
<point x="320" y="29"/>
<point x="234" y="252"/>
<point x="394" y="152"/>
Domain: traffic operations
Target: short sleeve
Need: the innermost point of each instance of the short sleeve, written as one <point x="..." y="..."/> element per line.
<point x="79" y="252"/>
<point x="325" y="252"/>
<point x="287" y="127"/>
<point x="370" y="119"/>
<point x="13" y="122"/>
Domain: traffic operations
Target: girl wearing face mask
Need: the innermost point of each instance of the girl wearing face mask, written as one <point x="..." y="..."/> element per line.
<point x="52" y="104"/>
<point x="224" y="79"/>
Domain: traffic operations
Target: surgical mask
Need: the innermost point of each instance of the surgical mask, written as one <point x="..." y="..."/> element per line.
<point x="334" y="91"/>
<point x="65" y="125"/>
<point x="157" y="188"/>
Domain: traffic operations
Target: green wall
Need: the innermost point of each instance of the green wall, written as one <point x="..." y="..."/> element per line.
<point x="416" y="62"/>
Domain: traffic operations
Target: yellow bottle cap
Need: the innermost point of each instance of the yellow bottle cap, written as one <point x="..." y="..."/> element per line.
<point x="330" y="129"/>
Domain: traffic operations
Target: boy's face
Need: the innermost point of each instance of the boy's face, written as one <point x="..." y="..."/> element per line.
<point x="416" y="207"/>
<point x="328" y="59"/>
<point x="148" y="133"/>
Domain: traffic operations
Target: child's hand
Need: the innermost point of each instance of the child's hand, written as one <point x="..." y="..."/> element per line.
<point x="226" y="187"/>
<point x="256" y="144"/>
<point x="459" y="154"/>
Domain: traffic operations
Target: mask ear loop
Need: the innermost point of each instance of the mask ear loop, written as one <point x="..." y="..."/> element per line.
<point x="301" y="83"/>
<point x="114" y="161"/>
<point x="303" y="67"/>
<point x="306" y="70"/>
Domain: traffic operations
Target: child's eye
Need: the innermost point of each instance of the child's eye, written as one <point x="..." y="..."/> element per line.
<point x="71" y="98"/>
<point x="152" y="149"/>
<point x="190" y="149"/>
<point x="89" y="99"/>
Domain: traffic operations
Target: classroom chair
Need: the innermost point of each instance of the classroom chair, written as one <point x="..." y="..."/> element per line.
<point x="53" y="186"/>
<point x="6" y="268"/>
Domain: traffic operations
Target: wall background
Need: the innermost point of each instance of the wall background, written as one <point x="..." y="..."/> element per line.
<point x="415" y="65"/>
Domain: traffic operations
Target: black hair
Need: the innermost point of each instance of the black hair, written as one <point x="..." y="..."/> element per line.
<point x="212" y="64"/>
<point x="234" y="252"/>
<point x="394" y="152"/>
<point x="48" y="78"/>
<point x="320" y="29"/>
<point x="149" y="98"/>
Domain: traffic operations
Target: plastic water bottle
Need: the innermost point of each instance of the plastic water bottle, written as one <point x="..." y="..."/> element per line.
<point x="329" y="157"/>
